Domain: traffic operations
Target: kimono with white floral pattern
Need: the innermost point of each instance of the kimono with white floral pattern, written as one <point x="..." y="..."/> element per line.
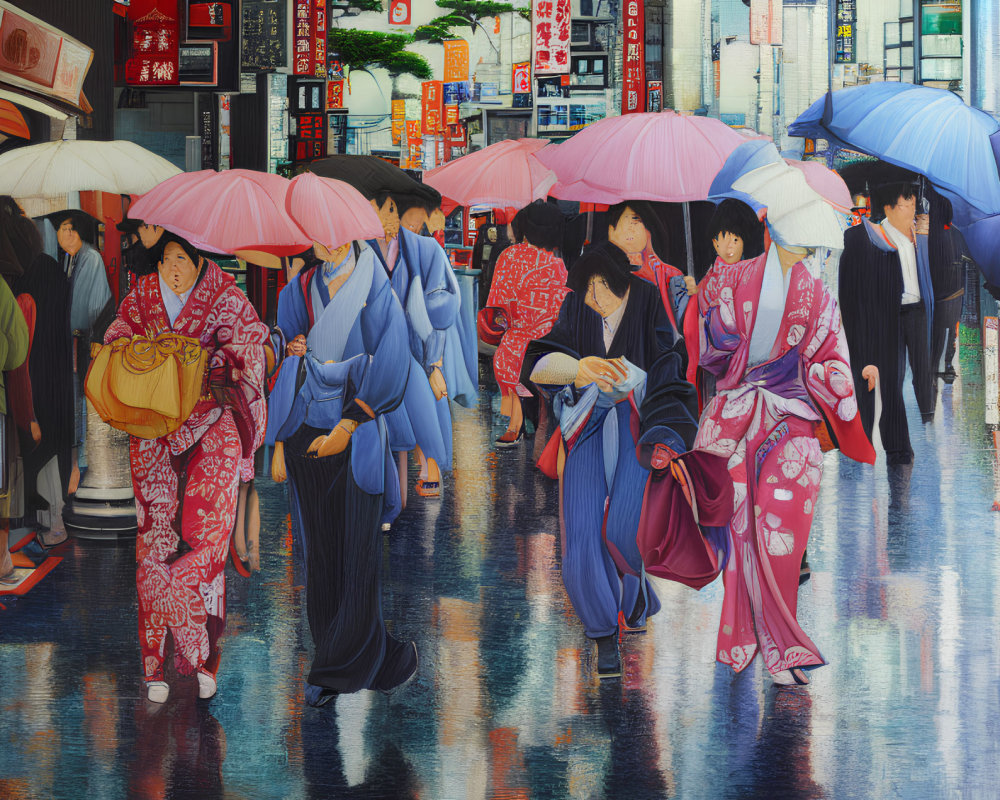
<point x="764" y="419"/>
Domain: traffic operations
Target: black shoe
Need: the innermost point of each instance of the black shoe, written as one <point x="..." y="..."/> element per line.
<point x="636" y="622"/>
<point x="400" y="672"/>
<point x="317" y="696"/>
<point x="609" y="663"/>
<point x="949" y="375"/>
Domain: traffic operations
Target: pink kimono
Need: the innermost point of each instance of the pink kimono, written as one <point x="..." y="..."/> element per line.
<point x="764" y="419"/>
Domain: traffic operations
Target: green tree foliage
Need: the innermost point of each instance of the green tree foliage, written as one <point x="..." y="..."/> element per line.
<point x="360" y="49"/>
<point x="461" y="14"/>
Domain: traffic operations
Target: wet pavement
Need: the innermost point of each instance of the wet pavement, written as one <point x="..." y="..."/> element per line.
<point x="903" y="602"/>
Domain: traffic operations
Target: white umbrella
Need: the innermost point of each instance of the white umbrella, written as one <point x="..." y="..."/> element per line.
<point x="57" y="168"/>
<point x="797" y="214"/>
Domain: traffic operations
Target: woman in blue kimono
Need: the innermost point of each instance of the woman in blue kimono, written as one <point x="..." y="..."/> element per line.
<point x="346" y="365"/>
<point x="421" y="277"/>
<point x="627" y="400"/>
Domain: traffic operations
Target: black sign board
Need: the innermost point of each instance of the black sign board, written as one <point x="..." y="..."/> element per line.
<point x="845" y="24"/>
<point x="208" y="129"/>
<point x="263" y="35"/>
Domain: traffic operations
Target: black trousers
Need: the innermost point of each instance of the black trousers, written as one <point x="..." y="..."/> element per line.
<point x="946" y="315"/>
<point x="893" y="427"/>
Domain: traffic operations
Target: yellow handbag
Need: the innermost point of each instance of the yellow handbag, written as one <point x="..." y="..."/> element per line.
<point x="147" y="387"/>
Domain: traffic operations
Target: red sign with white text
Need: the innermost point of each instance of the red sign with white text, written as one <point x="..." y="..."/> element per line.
<point x="155" y="53"/>
<point x="634" y="57"/>
<point x="399" y="12"/>
<point x="335" y="94"/>
<point x="302" y="38"/>
<point x="550" y="21"/>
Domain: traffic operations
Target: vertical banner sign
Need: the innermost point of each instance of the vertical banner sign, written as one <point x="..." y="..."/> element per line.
<point x="399" y="12"/>
<point x="521" y="78"/>
<point x="654" y="95"/>
<point x="413" y="143"/>
<point x="334" y="95"/>
<point x="843" y="48"/>
<point x="634" y="57"/>
<point x="262" y="36"/>
<point x="398" y="120"/>
<point x="451" y="115"/>
<point x="456" y="60"/>
<point x="155" y="51"/>
<point x="550" y="21"/>
<point x="991" y="345"/>
<point x="765" y="21"/>
<point x="302" y="55"/>
<point x="432" y="107"/>
<point x="319" y="39"/>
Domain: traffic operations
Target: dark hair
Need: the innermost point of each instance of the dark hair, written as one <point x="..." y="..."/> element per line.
<point x="603" y="260"/>
<point x="890" y="194"/>
<point x="168" y="237"/>
<point x="380" y="197"/>
<point x="541" y="224"/>
<point x="426" y="198"/>
<point x="735" y="217"/>
<point x="24" y="237"/>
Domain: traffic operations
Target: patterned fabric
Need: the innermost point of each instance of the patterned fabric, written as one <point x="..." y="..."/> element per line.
<point x="763" y="420"/>
<point x="529" y="284"/>
<point x="186" y="594"/>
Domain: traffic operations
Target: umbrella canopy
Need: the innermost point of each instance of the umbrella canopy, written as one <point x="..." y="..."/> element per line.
<point x="12" y="121"/>
<point x="927" y="130"/>
<point x="331" y="212"/>
<point x="369" y="175"/>
<point x="661" y="156"/>
<point x="55" y="168"/>
<point x="505" y="174"/>
<point x="225" y="212"/>
<point x="830" y="186"/>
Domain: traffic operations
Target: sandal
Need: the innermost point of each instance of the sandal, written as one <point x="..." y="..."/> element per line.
<point x="509" y="438"/>
<point x="427" y="488"/>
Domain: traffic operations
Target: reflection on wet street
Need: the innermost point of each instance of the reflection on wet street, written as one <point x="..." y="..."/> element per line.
<point x="903" y="602"/>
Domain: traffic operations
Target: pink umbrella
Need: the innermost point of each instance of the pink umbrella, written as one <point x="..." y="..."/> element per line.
<point x="662" y="156"/>
<point x="826" y="183"/>
<point x="225" y="212"/>
<point x="505" y="174"/>
<point x="331" y="212"/>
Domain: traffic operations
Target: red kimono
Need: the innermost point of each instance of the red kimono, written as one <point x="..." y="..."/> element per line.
<point x="186" y="594"/>
<point x="763" y="420"/>
<point x="529" y="284"/>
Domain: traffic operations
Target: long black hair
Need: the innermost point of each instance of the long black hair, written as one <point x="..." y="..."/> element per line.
<point x="541" y="225"/>
<point x="604" y="260"/>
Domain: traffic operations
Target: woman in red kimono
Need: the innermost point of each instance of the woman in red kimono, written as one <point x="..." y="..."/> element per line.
<point x="529" y="286"/>
<point x="771" y="333"/>
<point x="182" y="587"/>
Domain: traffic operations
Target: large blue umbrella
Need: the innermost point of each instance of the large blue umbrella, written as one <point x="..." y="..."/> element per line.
<point x="930" y="131"/>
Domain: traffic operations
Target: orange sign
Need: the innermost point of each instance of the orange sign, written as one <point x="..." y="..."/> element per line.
<point x="456" y="60"/>
<point x="451" y="115"/>
<point x="432" y="107"/>
<point x="398" y="120"/>
<point x="414" y="143"/>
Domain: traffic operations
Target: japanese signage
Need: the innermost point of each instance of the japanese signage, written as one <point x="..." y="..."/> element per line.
<point x="309" y="142"/>
<point x="37" y="56"/>
<point x="155" y="46"/>
<point x="399" y="12"/>
<point x="634" y="57"/>
<point x="550" y="29"/>
<point x="414" y="144"/>
<point x="432" y="107"/>
<point x="451" y="115"/>
<point x="521" y="78"/>
<point x="302" y="38"/>
<point x="319" y="39"/>
<point x="208" y="122"/>
<point x="765" y="21"/>
<point x="654" y="95"/>
<point x="456" y="60"/>
<point x="845" y="21"/>
<point x="398" y="120"/>
<point x="263" y="33"/>
<point x="335" y="94"/>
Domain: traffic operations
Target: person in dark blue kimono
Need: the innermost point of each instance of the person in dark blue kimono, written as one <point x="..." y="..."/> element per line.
<point x="422" y="279"/>
<point x="346" y="366"/>
<point x="621" y="397"/>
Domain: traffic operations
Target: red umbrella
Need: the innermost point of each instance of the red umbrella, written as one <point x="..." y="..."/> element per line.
<point x="505" y="174"/>
<point x="12" y="121"/>
<point x="331" y="212"/>
<point x="225" y="212"/>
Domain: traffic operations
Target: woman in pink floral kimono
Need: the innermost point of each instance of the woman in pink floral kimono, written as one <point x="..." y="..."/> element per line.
<point x="771" y="333"/>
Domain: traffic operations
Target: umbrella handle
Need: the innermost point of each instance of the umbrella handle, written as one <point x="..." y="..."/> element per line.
<point x="688" y="246"/>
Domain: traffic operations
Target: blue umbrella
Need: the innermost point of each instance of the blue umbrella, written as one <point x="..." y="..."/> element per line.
<point x="748" y="156"/>
<point x="930" y="131"/>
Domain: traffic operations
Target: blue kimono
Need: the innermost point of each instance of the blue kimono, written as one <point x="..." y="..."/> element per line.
<point x="603" y="481"/>
<point x="357" y="361"/>
<point x="426" y="287"/>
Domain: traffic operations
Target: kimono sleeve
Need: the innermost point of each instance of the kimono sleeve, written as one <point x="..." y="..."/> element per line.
<point x="718" y="335"/>
<point x="13" y="330"/>
<point x="668" y="413"/>
<point x="441" y="298"/>
<point x="384" y="332"/>
<point x="91" y="293"/>
<point x="501" y="290"/>
<point x="293" y="317"/>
